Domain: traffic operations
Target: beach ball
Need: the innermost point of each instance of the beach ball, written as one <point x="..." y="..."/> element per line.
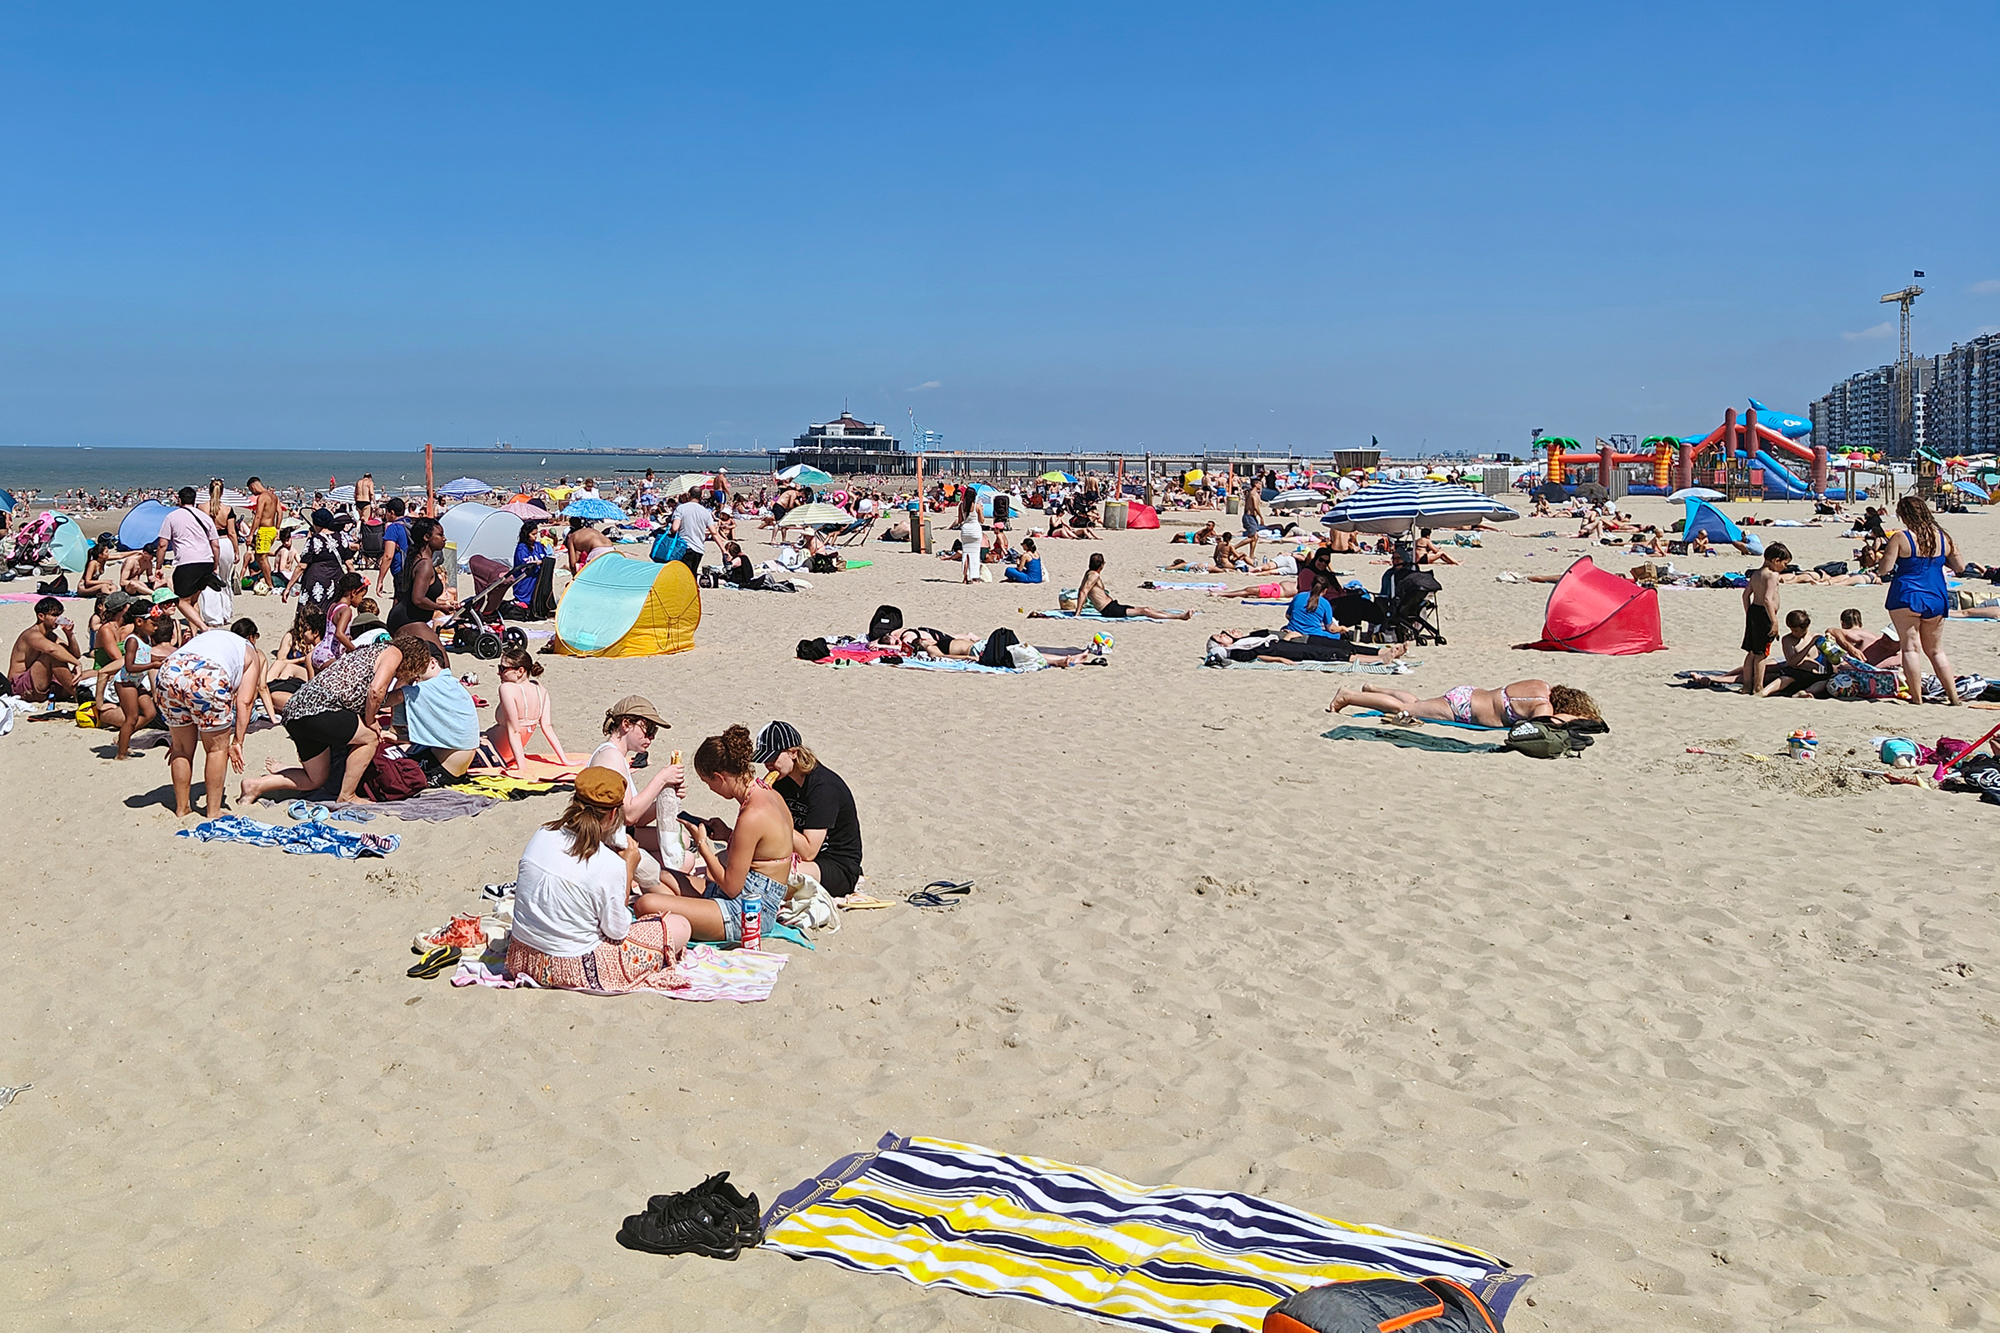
<point x="1102" y="641"/>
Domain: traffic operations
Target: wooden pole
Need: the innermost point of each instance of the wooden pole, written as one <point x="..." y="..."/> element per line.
<point x="430" y="484"/>
<point x="917" y="514"/>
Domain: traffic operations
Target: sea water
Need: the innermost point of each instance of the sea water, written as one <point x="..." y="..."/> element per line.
<point x="50" y="471"/>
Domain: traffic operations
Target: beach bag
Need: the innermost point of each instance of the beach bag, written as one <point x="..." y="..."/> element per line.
<point x="886" y="621"/>
<point x="1367" y="1305"/>
<point x="824" y="564"/>
<point x="1833" y="569"/>
<point x="1027" y="657"/>
<point x="1066" y="599"/>
<point x="668" y="546"/>
<point x="1856" y="680"/>
<point x="814" y="650"/>
<point x="1538" y="740"/>
<point x="995" y="653"/>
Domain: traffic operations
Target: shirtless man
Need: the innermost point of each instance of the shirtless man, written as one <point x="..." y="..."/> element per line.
<point x="1760" y="614"/>
<point x="40" y="667"/>
<point x="140" y="573"/>
<point x="265" y="521"/>
<point x="583" y="543"/>
<point x="1871" y="647"/>
<point x="364" y="492"/>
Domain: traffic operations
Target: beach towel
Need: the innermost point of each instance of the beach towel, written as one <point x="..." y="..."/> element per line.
<point x="1182" y="587"/>
<point x="1411" y="739"/>
<point x="298" y="839"/>
<point x="538" y="768"/>
<point x="435" y="806"/>
<point x="954" y="1215"/>
<point x="1092" y="615"/>
<point x="1437" y="722"/>
<point x="1399" y="667"/>
<point x="712" y="974"/>
<point x="963" y="664"/>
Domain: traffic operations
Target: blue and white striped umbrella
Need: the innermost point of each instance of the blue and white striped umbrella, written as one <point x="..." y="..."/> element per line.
<point x="1398" y="506"/>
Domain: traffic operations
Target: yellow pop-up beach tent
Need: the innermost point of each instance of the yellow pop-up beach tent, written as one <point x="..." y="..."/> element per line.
<point x="621" y="607"/>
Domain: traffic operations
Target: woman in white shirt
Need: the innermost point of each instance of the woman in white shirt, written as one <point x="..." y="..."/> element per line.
<point x="572" y="930"/>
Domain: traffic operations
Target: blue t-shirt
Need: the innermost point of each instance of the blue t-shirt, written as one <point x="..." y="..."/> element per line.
<point x="399" y="533"/>
<point x="1302" y="618"/>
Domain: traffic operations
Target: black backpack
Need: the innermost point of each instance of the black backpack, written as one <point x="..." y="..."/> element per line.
<point x="995" y="653"/>
<point x="888" y="619"/>
<point x="813" y="650"/>
<point x="371" y="539"/>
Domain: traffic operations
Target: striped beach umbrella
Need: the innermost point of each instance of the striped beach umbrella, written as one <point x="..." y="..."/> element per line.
<point x="815" y="516"/>
<point x="1398" y="506"/>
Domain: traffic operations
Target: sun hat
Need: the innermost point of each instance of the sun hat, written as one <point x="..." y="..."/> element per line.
<point x="774" y="740"/>
<point x="639" y="706"/>
<point x="163" y="595"/>
<point x="600" y="787"/>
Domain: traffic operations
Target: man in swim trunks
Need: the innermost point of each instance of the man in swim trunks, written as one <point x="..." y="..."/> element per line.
<point x="1760" y="614"/>
<point x="267" y="514"/>
<point x="41" y="666"/>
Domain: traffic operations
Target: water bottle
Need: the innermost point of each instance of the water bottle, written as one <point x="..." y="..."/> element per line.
<point x="753" y="918"/>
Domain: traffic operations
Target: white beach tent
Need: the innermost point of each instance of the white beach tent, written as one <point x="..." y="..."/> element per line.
<point x="477" y="529"/>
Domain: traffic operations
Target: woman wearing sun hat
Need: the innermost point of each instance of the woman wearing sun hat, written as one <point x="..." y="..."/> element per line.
<point x="629" y="728"/>
<point x="572" y="929"/>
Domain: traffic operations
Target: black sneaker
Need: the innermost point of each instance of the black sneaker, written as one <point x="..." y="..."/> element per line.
<point x="684" y="1224"/>
<point x="725" y="1203"/>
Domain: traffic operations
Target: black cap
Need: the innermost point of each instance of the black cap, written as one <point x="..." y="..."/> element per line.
<point x="774" y="740"/>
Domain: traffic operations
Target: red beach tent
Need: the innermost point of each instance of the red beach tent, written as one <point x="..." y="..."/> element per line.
<point x="1592" y="610"/>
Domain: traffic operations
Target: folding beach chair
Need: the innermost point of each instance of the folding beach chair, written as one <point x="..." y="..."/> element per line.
<point x="855" y="533"/>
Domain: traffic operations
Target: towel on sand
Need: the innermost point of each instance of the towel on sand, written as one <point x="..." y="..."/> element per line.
<point x="711" y="973"/>
<point x="298" y="839"/>
<point x="1410" y="739"/>
<point x="1092" y="615"/>
<point x="945" y="1214"/>
<point x="1401" y="666"/>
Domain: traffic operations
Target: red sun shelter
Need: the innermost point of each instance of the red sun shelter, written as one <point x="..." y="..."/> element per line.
<point x="1592" y="610"/>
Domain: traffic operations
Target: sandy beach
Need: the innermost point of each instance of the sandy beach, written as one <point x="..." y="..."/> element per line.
<point x="1704" y="1042"/>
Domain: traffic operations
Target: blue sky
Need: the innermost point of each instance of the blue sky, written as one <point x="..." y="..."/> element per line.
<point x="1107" y="226"/>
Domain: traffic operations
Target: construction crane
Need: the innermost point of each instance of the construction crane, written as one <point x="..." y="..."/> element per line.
<point x="1905" y="372"/>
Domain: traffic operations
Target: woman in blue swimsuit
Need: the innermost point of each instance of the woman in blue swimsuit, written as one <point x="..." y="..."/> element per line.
<point x="1914" y="563"/>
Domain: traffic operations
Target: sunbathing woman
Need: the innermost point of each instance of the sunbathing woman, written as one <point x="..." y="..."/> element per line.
<point x="1094" y="594"/>
<point x="1518" y="702"/>
<point x="524" y="706"/>
<point x="760" y="845"/>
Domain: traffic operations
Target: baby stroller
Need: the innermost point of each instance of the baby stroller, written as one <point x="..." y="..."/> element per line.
<point x="493" y="586"/>
<point x="32" y="543"/>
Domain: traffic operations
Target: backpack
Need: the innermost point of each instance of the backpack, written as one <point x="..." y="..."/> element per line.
<point x="813" y="650"/>
<point x="395" y="779"/>
<point x="668" y="546"/>
<point x="887" y="620"/>
<point x="1858" y="680"/>
<point x="371" y="539"/>
<point x="1434" y="1305"/>
<point x="995" y="653"/>
<point x="1538" y="739"/>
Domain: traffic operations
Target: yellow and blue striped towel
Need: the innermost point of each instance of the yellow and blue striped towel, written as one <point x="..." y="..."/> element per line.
<point x="955" y="1215"/>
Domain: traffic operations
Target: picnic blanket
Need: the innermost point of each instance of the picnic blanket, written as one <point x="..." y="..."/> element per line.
<point x="309" y="838"/>
<point x="433" y="806"/>
<point x="741" y="975"/>
<point x="1411" y="739"/>
<point x="1400" y="666"/>
<point x="954" y="1215"/>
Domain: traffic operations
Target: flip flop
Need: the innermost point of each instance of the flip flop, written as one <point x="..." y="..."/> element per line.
<point x="306" y="812"/>
<point x="941" y="893"/>
<point x="434" y="962"/>
<point x="859" y="902"/>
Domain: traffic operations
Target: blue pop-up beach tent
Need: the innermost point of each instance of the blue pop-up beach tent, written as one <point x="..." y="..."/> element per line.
<point x="1706" y="518"/>
<point x="142" y="525"/>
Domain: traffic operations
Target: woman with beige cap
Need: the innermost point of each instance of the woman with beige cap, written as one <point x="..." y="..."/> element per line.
<point x="629" y="728"/>
<point x="572" y="929"/>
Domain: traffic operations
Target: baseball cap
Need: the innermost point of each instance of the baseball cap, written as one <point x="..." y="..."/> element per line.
<point x="117" y="601"/>
<point x="639" y="706"/>
<point x="774" y="740"/>
<point x="601" y="787"/>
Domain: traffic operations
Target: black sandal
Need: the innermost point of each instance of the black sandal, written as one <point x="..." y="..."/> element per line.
<point x="941" y="893"/>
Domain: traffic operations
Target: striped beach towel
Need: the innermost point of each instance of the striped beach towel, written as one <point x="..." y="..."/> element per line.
<point x="944" y="1214"/>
